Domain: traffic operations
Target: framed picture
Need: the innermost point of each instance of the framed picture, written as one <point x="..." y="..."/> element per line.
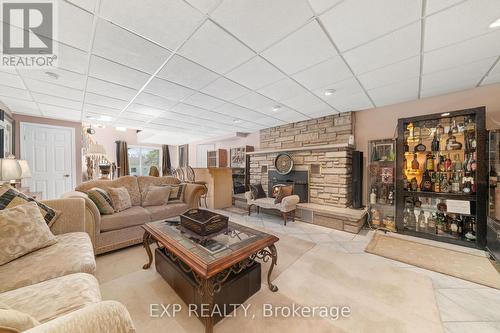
<point x="383" y="152"/>
<point x="6" y="134"/>
<point x="238" y="157"/>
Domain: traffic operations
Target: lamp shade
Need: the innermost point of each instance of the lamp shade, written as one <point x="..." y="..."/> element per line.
<point x="25" y="169"/>
<point x="9" y="169"/>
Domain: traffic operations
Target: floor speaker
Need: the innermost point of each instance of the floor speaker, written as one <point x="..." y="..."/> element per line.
<point x="357" y="179"/>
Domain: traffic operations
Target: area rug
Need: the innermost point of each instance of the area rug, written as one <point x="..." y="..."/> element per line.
<point x="466" y="266"/>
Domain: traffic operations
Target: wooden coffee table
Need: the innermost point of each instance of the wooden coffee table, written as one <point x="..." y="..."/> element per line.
<point x="211" y="266"/>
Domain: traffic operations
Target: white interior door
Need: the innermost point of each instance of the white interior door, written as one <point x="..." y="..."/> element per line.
<point x="50" y="153"/>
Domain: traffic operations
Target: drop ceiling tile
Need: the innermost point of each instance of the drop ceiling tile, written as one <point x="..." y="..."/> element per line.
<point x="329" y="71"/>
<point x="255" y="101"/>
<point x="397" y="46"/>
<point x="356" y="102"/>
<point x="74" y="26"/>
<point x="225" y="89"/>
<point x="466" y="20"/>
<point x="121" y="46"/>
<point x="319" y="6"/>
<point x="168" y="90"/>
<point x="57" y="112"/>
<point x="100" y="110"/>
<point x="403" y="91"/>
<point x="15" y="93"/>
<point x="238" y="112"/>
<point x="304" y="48"/>
<point x="21" y="106"/>
<point x="203" y="101"/>
<point x="322" y="113"/>
<point x="187" y="73"/>
<point x="106" y="70"/>
<point x="260" y="23"/>
<point x="282" y="90"/>
<point x="433" y="6"/>
<point x="11" y="80"/>
<point x="145" y="110"/>
<point x="57" y="101"/>
<point x="135" y="116"/>
<point x="494" y="76"/>
<point x="110" y="89"/>
<point x="255" y="73"/>
<point x="105" y="101"/>
<point x="63" y="77"/>
<point x="85" y="4"/>
<point x="471" y="50"/>
<point x="72" y="59"/>
<point x="455" y="79"/>
<point x="166" y="22"/>
<point x="154" y="101"/>
<point x="353" y="23"/>
<point x="205" y="6"/>
<point x="307" y="103"/>
<point x="288" y="115"/>
<point x="391" y="74"/>
<point x="213" y="48"/>
<point x="53" y="89"/>
<point x="348" y="96"/>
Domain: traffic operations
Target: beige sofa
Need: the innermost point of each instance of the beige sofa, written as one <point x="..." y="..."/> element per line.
<point x="56" y="286"/>
<point x="122" y="229"/>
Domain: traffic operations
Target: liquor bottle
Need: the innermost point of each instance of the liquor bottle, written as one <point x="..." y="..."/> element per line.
<point x="426" y="184"/>
<point x="414" y="184"/>
<point x="467" y="163"/>
<point x="405" y="183"/>
<point x="444" y="185"/>
<point x="447" y="163"/>
<point x="493" y="177"/>
<point x="373" y="197"/>
<point x="431" y="224"/>
<point x="406" y="217"/>
<point x="470" y="126"/>
<point x="435" y="143"/>
<point x="441" y="164"/>
<point x="473" y="164"/>
<point x="414" y="164"/>
<point x="457" y="164"/>
<point x="429" y="162"/>
<point x="437" y="183"/>
<point x="455" y="185"/>
<point x="441" y="206"/>
<point x="454" y="227"/>
<point x="454" y="127"/>
<point x="412" y="220"/>
<point x="467" y="184"/>
<point x="422" y="222"/>
<point x="390" y="198"/>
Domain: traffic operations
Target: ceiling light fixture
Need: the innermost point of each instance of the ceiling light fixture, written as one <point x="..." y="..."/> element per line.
<point x="495" y="24"/>
<point x="329" y="92"/>
<point x="105" y="118"/>
<point x="237" y="121"/>
<point x="276" y="108"/>
<point x="52" y="75"/>
<point x="446" y="114"/>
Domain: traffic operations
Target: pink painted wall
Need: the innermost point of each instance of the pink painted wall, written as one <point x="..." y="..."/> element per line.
<point x="380" y="123"/>
<point x="107" y="137"/>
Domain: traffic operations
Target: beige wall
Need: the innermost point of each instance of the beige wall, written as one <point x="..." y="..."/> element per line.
<point x="46" y="121"/>
<point x="380" y="123"/>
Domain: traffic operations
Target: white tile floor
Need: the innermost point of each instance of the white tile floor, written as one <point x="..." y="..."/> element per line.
<point x="464" y="306"/>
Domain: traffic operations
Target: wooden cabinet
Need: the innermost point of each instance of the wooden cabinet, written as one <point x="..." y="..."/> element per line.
<point x="217" y="158"/>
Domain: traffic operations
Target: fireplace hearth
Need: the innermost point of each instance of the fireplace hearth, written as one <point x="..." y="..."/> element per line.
<point x="299" y="180"/>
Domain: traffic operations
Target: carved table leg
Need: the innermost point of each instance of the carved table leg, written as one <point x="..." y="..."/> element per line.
<point x="146" y="240"/>
<point x="274" y="259"/>
<point x="207" y="296"/>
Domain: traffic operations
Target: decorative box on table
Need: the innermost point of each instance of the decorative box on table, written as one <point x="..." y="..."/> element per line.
<point x="203" y="224"/>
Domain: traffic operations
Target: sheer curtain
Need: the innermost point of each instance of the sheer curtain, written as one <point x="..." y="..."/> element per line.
<point x="122" y="158"/>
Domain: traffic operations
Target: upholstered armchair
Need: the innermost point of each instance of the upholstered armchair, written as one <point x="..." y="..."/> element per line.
<point x="287" y="205"/>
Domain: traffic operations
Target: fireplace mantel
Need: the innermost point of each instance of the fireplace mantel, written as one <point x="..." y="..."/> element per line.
<point x="305" y="148"/>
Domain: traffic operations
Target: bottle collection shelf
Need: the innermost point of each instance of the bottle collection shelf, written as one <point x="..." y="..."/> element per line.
<point x="454" y="196"/>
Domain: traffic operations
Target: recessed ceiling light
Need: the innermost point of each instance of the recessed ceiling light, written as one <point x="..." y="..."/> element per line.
<point x="121" y="129"/>
<point x="276" y="108"/>
<point x="237" y="121"/>
<point x="329" y="92"/>
<point x="52" y="75"/>
<point x="105" y="118"/>
<point x="495" y="24"/>
<point x="446" y="114"/>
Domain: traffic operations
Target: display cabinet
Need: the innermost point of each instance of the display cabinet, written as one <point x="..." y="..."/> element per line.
<point x="381" y="184"/>
<point x="441" y="177"/>
<point x="493" y="219"/>
<point x="240" y="164"/>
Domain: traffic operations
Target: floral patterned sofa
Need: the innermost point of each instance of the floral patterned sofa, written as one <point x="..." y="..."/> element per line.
<point x="55" y="285"/>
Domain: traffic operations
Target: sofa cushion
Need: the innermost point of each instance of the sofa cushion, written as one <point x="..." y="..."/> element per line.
<point x="166" y="211"/>
<point x="120" y="198"/>
<point x="267" y="203"/>
<point x="127" y="218"/>
<point x="283" y="191"/>
<point x="129" y="182"/>
<point x="145" y="181"/>
<point x="16" y="320"/>
<point x="22" y="230"/>
<point x="156" y="195"/>
<point x="73" y="253"/>
<point x="53" y="298"/>
<point x="257" y="191"/>
<point x="102" y="200"/>
<point x="177" y="193"/>
<point x="10" y="197"/>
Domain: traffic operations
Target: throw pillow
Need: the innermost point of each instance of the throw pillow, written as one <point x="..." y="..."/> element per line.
<point x="22" y="230"/>
<point x="156" y="196"/>
<point x="177" y="193"/>
<point x="10" y="197"/>
<point x="102" y="200"/>
<point x="15" y="321"/>
<point x="257" y="191"/>
<point x="120" y="198"/>
<point x="284" y="191"/>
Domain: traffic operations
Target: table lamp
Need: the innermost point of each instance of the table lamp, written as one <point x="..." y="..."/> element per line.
<point x="10" y="169"/>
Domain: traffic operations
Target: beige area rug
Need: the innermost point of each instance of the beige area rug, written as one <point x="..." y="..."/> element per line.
<point x="466" y="266"/>
<point x="381" y="297"/>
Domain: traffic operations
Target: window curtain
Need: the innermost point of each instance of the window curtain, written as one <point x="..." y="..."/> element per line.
<point x="166" y="165"/>
<point x="122" y="158"/>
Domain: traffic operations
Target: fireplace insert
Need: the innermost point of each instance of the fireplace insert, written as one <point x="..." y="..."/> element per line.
<point x="299" y="180"/>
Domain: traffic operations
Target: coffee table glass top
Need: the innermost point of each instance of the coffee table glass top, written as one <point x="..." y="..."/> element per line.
<point x="220" y="246"/>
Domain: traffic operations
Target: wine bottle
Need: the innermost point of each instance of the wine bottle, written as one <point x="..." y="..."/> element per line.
<point x="414" y="164"/>
<point x="429" y="161"/>
<point x="435" y="143"/>
<point x="447" y="163"/>
<point x="426" y="184"/>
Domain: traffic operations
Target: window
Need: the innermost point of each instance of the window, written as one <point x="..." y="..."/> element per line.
<point x="141" y="159"/>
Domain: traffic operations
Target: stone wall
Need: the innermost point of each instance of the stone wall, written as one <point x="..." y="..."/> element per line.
<point x="332" y="184"/>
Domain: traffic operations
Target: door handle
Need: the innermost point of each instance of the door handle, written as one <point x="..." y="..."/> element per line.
<point x="66" y="176"/>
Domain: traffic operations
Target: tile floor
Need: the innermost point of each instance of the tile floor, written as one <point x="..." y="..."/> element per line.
<point x="464" y="306"/>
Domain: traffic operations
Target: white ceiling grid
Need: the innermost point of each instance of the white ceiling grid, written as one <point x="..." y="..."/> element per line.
<point x="202" y="68"/>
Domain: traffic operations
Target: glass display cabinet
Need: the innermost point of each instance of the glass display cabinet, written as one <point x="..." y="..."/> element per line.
<point x="381" y="185"/>
<point x="493" y="220"/>
<point x="441" y="177"/>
